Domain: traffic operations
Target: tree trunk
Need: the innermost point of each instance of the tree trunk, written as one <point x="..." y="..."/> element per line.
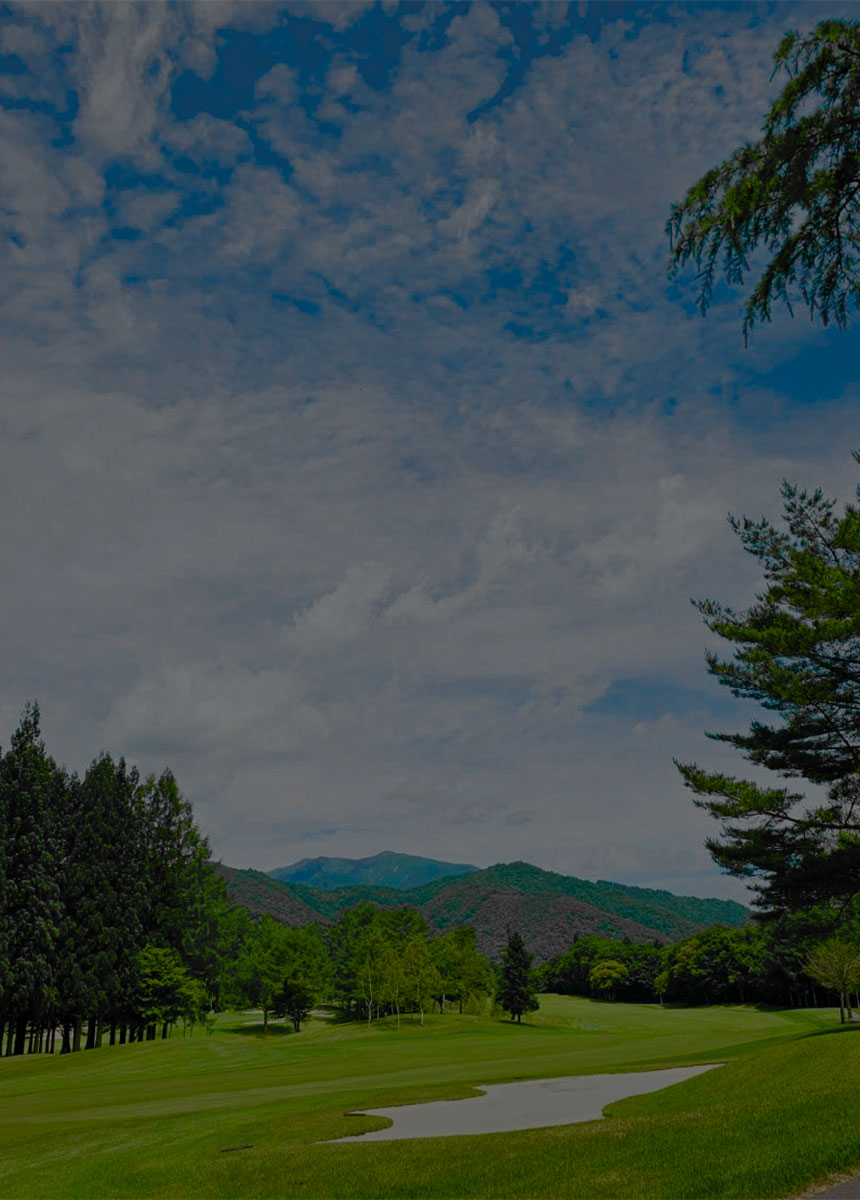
<point x="164" y="1029"/>
<point x="76" y="1037"/>
<point x="20" y="1035"/>
<point x="123" y="1032"/>
<point x="265" y="1020"/>
<point x="91" y="1033"/>
<point x="112" y="1041"/>
<point x="150" y="1033"/>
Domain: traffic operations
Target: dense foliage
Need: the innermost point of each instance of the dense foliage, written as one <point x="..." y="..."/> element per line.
<point x="793" y="194"/>
<point x="108" y="908"/>
<point x="721" y="965"/>
<point x="382" y="963"/>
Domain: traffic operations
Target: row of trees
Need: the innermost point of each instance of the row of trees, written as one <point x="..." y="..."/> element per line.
<point x="113" y="919"/>
<point x="382" y="962"/>
<point x="104" y="886"/>
<point x="722" y="965"/>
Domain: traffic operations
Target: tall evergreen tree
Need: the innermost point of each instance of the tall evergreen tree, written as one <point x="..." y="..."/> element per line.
<point x="515" y="993"/>
<point x="797" y="656"/>
<point x="103" y="891"/>
<point x="32" y="796"/>
<point x="176" y="862"/>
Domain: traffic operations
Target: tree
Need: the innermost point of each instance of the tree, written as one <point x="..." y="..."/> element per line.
<point x="343" y="941"/>
<point x="294" y="999"/>
<point x="836" y="965"/>
<point x="265" y="966"/>
<point x="421" y="980"/>
<point x="166" y="991"/>
<point x="515" y="993"/>
<point x="32" y="799"/>
<point x="795" y="193"/>
<point x="464" y="973"/>
<point x="606" y="975"/>
<point x="797" y="656"/>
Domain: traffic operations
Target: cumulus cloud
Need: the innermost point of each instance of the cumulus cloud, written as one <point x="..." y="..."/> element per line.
<point x="352" y="444"/>
<point x="342" y="615"/>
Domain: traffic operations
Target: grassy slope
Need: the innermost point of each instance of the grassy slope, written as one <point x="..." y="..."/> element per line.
<point x="151" y="1119"/>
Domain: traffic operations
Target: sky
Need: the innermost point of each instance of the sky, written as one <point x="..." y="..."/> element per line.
<point x="359" y="460"/>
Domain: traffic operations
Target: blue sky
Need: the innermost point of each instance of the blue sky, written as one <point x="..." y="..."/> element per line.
<point x="359" y="458"/>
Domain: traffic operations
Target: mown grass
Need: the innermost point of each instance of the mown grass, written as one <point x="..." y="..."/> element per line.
<point x="154" y="1119"/>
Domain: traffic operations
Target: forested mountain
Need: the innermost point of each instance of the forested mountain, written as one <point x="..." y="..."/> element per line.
<point x="258" y="893"/>
<point x="550" y="910"/>
<point x="387" y="870"/>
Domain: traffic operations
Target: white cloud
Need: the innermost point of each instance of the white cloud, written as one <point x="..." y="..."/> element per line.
<point x="289" y="505"/>
<point x="340" y="616"/>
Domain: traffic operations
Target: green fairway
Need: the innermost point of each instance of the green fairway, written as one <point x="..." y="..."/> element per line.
<point x="154" y="1119"/>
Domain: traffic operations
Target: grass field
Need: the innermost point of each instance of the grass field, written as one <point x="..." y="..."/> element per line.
<point x="153" y="1119"/>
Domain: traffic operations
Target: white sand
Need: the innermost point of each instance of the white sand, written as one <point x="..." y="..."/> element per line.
<point x="533" y="1104"/>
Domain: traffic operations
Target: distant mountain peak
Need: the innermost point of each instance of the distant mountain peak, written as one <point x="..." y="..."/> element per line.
<point x="387" y="869"/>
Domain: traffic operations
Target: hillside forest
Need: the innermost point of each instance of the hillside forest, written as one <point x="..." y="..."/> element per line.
<point x="114" y="924"/>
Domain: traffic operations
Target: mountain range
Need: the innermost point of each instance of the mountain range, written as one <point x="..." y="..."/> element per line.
<point x="548" y="909"/>
<point x="381" y="870"/>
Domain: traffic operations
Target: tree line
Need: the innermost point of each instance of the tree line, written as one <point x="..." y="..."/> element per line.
<point x="105" y="887"/>
<point x="754" y="964"/>
<point x="114" y="923"/>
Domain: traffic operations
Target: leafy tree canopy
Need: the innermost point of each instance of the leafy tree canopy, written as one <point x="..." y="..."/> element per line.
<point x="836" y="965"/>
<point x="794" y="194"/>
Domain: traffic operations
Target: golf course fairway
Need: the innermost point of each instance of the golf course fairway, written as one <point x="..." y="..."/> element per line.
<point x="236" y="1114"/>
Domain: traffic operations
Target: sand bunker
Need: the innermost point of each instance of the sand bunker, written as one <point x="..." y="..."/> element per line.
<point x="533" y="1104"/>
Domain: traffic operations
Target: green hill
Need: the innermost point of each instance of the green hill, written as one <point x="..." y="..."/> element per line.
<point x="548" y="909"/>
<point x="387" y="870"/>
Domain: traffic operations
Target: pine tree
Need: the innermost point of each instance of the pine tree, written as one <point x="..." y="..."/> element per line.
<point x="797" y="656"/>
<point x="793" y="194"/>
<point x="515" y="993"/>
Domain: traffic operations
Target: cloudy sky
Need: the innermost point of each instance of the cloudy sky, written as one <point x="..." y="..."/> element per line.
<point x="358" y="459"/>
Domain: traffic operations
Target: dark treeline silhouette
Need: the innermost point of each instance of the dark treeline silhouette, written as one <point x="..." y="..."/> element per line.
<point x="107" y="902"/>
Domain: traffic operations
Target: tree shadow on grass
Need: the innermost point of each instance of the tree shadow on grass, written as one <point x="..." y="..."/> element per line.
<point x="334" y="1016"/>
<point x="853" y="1027"/>
<point x="255" y="1029"/>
